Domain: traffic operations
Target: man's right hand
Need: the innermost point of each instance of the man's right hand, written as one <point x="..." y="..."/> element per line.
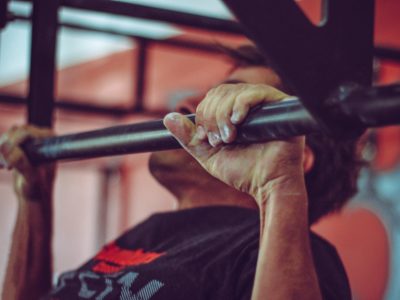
<point x="31" y="182"/>
<point x="29" y="269"/>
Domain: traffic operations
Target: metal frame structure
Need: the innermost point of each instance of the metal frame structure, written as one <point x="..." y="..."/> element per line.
<point x="155" y="14"/>
<point x="133" y="10"/>
<point x="42" y="67"/>
<point x="342" y="102"/>
<point x="340" y="48"/>
<point x="3" y="13"/>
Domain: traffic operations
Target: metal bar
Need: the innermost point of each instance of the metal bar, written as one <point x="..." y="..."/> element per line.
<point x="140" y="71"/>
<point x="379" y="51"/>
<point x="106" y="176"/>
<point x="42" y="68"/>
<point x="373" y="107"/>
<point x="115" y="111"/>
<point x="275" y="120"/>
<point x="72" y="106"/>
<point x="155" y="14"/>
<point x="173" y="42"/>
<point x="387" y="53"/>
<point x="125" y="194"/>
<point x="3" y="13"/>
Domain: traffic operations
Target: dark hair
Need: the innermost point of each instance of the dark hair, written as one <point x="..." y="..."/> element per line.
<point x="244" y="56"/>
<point x="249" y="55"/>
<point x="332" y="181"/>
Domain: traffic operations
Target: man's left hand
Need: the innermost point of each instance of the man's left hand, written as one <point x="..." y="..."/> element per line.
<point x="254" y="169"/>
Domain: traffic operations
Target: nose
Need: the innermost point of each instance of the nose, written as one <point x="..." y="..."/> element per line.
<point x="188" y="106"/>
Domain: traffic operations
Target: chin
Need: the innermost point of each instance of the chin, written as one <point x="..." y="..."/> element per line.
<point x="175" y="167"/>
<point x="170" y="161"/>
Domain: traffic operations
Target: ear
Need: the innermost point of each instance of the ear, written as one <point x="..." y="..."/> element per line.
<point x="308" y="159"/>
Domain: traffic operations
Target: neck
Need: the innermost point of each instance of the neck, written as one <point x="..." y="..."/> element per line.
<point x="197" y="196"/>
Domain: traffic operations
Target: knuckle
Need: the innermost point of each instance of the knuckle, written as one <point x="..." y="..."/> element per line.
<point x="208" y="121"/>
<point x="222" y="113"/>
<point x="211" y="92"/>
<point x="241" y="98"/>
<point x="243" y="86"/>
<point x="199" y="112"/>
<point x="224" y="89"/>
<point x="220" y="87"/>
<point x="242" y="101"/>
<point x="200" y="107"/>
<point x="265" y="87"/>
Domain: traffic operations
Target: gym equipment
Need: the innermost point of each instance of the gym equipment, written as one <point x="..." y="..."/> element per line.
<point x="328" y="66"/>
<point x="372" y="107"/>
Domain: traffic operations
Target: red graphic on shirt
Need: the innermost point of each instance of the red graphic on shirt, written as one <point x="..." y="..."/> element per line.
<point x="113" y="258"/>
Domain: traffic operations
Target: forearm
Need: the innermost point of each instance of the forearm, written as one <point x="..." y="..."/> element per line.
<point x="28" y="274"/>
<point x="285" y="268"/>
<point x="29" y="269"/>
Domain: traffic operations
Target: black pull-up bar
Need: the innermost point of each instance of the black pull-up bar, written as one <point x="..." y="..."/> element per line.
<point x="272" y="121"/>
<point x="373" y="107"/>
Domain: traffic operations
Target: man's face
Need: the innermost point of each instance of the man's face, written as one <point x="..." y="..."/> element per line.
<point x="178" y="162"/>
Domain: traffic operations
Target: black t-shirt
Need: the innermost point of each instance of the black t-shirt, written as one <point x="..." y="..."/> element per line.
<point x="203" y="253"/>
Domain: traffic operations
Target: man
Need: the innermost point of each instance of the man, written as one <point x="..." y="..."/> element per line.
<point x="242" y="226"/>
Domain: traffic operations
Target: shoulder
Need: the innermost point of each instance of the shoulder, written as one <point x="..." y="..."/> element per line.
<point x="331" y="273"/>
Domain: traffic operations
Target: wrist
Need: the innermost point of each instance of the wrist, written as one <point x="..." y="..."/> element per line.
<point x="290" y="186"/>
<point x="283" y="205"/>
<point x="34" y="188"/>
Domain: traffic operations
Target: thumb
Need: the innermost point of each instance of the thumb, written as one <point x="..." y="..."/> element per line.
<point x="185" y="132"/>
<point x="180" y="127"/>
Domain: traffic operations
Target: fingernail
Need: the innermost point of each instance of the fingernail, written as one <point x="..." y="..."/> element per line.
<point x="235" y="118"/>
<point x="214" y="139"/>
<point x="201" y="133"/>
<point x="290" y="98"/>
<point x="173" y="116"/>
<point x="225" y="133"/>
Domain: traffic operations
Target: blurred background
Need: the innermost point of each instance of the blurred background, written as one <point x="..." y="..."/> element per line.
<point x="114" y="69"/>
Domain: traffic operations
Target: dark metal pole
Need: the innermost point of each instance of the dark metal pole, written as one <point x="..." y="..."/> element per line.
<point x="76" y="107"/>
<point x="133" y="10"/>
<point x="3" y="13"/>
<point x="173" y="42"/>
<point x="156" y="14"/>
<point x="379" y="51"/>
<point x="106" y="176"/>
<point x="43" y="53"/>
<point x="141" y="63"/>
<point x="273" y="121"/>
<point x="373" y="107"/>
<point x="387" y="53"/>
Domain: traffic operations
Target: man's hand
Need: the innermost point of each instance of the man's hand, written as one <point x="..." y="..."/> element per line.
<point x="254" y="169"/>
<point x="29" y="269"/>
<point x="270" y="172"/>
<point x="30" y="181"/>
